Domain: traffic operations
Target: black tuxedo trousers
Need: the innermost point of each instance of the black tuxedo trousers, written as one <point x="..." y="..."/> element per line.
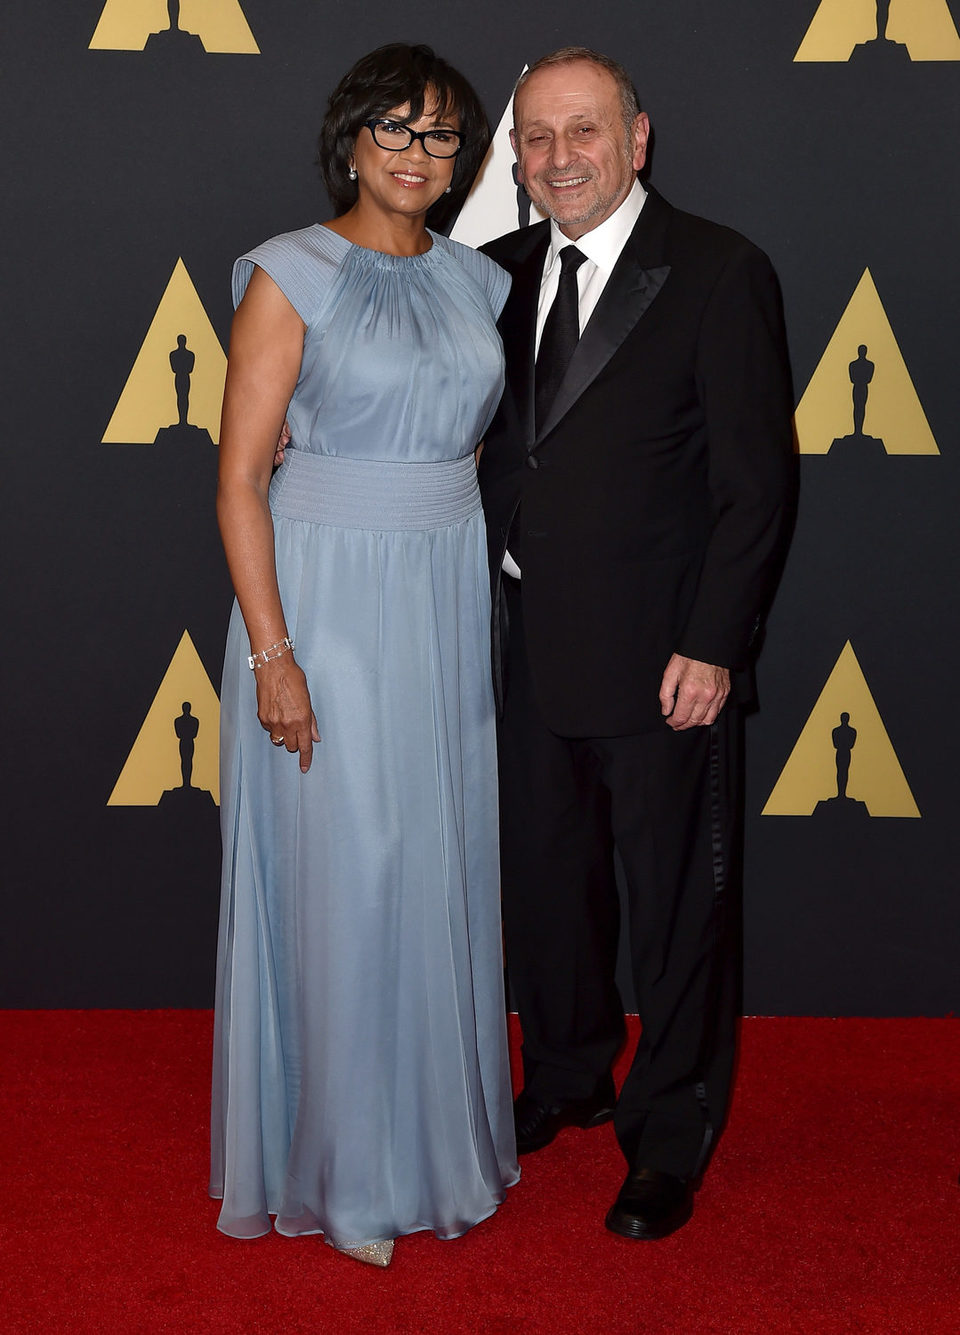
<point x="668" y="802"/>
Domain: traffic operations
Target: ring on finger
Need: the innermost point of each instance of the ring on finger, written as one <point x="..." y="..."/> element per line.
<point x="277" y="741"/>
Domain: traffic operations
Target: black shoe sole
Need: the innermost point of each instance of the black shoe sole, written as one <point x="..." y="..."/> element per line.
<point x="638" y="1230"/>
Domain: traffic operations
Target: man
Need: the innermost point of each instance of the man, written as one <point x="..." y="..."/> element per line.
<point x="636" y="484"/>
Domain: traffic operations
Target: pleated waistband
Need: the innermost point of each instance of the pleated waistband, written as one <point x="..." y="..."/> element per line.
<point x="370" y="494"/>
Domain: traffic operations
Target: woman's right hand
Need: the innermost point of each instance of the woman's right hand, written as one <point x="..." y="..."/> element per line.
<point x="283" y="707"/>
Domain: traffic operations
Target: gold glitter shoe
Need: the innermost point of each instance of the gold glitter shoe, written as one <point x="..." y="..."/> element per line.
<point x="370" y="1253"/>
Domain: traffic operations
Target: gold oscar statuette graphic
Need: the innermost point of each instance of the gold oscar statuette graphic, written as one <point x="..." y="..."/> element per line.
<point x="175" y="389"/>
<point x="880" y="32"/>
<point x="843" y="766"/>
<point x="175" y="760"/>
<point x="861" y="399"/>
<point x="214" y="26"/>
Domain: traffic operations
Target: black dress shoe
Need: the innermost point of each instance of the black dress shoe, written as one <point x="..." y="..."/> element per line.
<point x="651" y="1204"/>
<point x="538" y="1123"/>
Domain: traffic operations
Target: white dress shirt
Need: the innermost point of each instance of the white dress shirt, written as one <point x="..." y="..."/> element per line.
<point x="602" y="246"/>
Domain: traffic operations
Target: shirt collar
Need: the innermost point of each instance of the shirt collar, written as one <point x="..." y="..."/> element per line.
<point x="603" y="244"/>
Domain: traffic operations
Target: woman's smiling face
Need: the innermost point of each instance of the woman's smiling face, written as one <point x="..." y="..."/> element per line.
<point x="407" y="180"/>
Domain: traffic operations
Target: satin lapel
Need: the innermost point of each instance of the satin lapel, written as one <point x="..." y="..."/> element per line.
<point x="626" y="297"/>
<point x="518" y="326"/>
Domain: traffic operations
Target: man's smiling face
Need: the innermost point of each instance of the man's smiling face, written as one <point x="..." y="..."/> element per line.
<point x="577" y="158"/>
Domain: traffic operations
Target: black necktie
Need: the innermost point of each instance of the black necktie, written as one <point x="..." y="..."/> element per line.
<point x="561" y="333"/>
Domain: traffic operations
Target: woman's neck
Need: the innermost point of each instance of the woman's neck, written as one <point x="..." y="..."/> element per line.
<point x="391" y="233"/>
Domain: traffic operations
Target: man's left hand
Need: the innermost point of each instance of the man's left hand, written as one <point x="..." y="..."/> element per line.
<point x="691" y="693"/>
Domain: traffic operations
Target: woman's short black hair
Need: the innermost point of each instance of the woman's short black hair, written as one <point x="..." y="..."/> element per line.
<point x="390" y="77"/>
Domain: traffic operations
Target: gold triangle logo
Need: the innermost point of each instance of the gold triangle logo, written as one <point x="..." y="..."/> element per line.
<point x="132" y="25"/>
<point x="176" y="385"/>
<point x="861" y="395"/>
<point x="176" y="757"/>
<point x="880" y="29"/>
<point x="843" y="765"/>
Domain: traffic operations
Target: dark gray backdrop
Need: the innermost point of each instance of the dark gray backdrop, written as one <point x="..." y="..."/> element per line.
<point x="119" y="162"/>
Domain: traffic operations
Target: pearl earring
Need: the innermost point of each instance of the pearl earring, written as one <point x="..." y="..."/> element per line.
<point x="448" y="189"/>
<point x="352" y="173"/>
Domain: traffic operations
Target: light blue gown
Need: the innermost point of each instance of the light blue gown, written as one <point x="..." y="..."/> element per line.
<point x="361" y="1083"/>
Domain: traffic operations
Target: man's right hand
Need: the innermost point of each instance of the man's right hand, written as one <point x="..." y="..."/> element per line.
<point x="282" y="444"/>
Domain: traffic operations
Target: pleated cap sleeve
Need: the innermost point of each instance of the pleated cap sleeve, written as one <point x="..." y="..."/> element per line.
<point x="300" y="263"/>
<point x="494" y="280"/>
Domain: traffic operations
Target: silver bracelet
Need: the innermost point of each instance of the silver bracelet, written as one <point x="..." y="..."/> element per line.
<point x="267" y="655"/>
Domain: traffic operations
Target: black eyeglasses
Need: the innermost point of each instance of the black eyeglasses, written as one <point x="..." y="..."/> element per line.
<point x="395" y="137"/>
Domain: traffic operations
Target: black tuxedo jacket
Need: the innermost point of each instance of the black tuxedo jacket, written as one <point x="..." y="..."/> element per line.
<point x="656" y="497"/>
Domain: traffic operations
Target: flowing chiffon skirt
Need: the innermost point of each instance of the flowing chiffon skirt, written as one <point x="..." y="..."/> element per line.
<point x="361" y="1082"/>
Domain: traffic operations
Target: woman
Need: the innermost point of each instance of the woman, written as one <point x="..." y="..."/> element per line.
<point x="361" y="1083"/>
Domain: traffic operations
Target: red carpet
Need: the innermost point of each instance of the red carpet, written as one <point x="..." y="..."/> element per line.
<point x="832" y="1204"/>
